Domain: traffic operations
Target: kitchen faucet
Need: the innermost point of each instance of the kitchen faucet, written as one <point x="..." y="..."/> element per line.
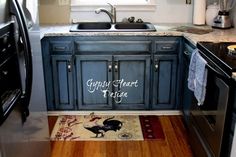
<point x="111" y="14"/>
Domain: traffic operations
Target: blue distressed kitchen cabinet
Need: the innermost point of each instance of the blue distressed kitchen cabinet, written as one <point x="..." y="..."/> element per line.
<point x="113" y="82"/>
<point x="93" y="72"/>
<point x="164" y="86"/>
<point x="62" y="68"/>
<point x="165" y="69"/>
<point x="111" y="72"/>
<point x="58" y="72"/>
<point x="135" y="70"/>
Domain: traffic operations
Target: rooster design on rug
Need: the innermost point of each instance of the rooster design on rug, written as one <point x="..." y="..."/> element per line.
<point x="98" y="129"/>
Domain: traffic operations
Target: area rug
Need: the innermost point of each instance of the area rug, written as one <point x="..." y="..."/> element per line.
<point x="107" y="128"/>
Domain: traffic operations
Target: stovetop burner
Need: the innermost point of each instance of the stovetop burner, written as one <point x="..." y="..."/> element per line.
<point x="219" y="53"/>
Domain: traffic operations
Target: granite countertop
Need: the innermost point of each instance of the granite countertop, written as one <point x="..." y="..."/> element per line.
<point x="215" y="35"/>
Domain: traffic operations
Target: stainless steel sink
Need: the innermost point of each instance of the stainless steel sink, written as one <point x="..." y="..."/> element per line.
<point x="109" y="27"/>
<point x="132" y="26"/>
<point x="93" y="26"/>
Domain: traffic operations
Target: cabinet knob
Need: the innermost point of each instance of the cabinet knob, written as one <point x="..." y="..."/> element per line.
<point x="156" y="67"/>
<point x="69" y="67"/>
<point x="116" y="67"/>
<point x="109" y="67"/>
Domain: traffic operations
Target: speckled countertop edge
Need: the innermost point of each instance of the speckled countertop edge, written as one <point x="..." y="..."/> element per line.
<point x="217" y="35"/>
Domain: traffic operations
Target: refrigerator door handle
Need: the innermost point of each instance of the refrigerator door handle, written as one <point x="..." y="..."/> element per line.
<point x="17" y="11"/>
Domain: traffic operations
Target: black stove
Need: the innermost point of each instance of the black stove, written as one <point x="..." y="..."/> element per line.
<point x="210" y="123"/>
<point x="218" y="53"/>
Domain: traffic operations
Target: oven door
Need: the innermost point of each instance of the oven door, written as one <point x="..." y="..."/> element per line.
<point x="10" y="87"/>
<point x="210" y="116"/>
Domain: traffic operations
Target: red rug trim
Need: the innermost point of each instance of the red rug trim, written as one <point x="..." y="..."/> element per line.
<point x="151" y="128"/>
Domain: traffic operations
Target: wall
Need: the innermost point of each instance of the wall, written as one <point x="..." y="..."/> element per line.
<point x="4" y="11"/>
<point x="233" y="15"/>
<point x="167" y="11"/>
<point x="51" y="12"/>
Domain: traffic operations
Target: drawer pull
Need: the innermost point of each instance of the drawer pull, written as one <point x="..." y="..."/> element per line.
<point x="59" y="48"/>
<point x="166" y="47"/>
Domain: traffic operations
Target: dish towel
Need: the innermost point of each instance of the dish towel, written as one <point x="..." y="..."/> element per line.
<point x="197" y="77"/>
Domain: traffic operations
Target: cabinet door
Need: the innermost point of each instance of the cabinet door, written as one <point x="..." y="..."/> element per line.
<point x="164" y="85"/>
<point x="94" y="77"/>
<point x="62" y="68"/>
<point x="131" y="83"/>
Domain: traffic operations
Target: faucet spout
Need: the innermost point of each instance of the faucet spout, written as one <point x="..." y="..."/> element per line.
<point x="111" y="14"/>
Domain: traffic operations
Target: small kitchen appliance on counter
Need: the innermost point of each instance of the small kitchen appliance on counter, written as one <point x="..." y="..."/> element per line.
<point x="222" y="20"/>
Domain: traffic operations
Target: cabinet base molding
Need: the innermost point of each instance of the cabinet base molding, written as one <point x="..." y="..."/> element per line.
<point x="159" y="113"/>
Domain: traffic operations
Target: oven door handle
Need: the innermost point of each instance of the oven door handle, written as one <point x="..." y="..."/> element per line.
<point x="222" y="74"/>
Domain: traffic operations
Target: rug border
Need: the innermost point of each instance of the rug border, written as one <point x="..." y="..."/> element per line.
<point x="157" y="113"/>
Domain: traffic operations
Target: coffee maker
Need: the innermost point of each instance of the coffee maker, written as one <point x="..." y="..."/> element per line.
<point x="223" y="20"/>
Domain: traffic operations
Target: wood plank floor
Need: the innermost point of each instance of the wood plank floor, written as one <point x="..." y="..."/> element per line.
<point x="175" y="144"/>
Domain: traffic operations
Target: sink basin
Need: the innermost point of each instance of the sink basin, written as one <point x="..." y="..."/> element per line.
<point x="93" y="25"/>
<point x="132" y="26"/>
<point x="109" y="27"/>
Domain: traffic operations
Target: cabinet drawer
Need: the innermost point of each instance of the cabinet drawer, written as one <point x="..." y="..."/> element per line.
<point x="112" y="46"/>
<point x="61" y="47"/>
<point x="166" y="47"/>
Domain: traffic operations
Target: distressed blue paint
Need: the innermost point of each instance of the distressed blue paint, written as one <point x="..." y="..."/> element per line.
<point x="62" y="81"/>
<point x="132" y="68"/>
<point x="164" y="86"/>
<point x="90" y="58"/>
<point x="96" y="68"/>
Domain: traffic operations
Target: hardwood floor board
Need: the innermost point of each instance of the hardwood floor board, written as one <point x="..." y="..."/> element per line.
<point x="159" y="149"/>
<point x="111" y="149"/>
<point x="145" y="149"/>
<point x="171" y="137"/>
<point x="165" y="151"/>
<point x="51" y="122"/>
<point x="95" y="149"/>
<point x="175" y="144"/>
<point x="181" y="135"/>
<point x="78" y="148"/>
<point x="122" y="149"/>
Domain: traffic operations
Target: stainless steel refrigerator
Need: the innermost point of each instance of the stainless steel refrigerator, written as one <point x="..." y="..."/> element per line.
<point x="23" y="113"/>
